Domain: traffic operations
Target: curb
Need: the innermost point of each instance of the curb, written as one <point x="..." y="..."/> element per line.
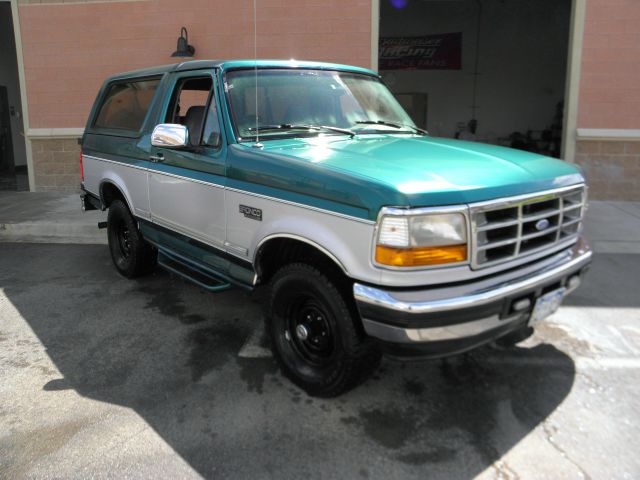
<point x="39" y="232"/>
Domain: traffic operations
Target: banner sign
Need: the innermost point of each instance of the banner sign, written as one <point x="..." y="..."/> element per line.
<point x="431" y="52"/>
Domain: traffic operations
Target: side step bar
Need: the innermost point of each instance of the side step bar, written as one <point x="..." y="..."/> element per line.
<point x="192" y="271"/>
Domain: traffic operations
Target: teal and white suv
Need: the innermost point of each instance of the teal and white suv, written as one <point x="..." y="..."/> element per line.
<point x="309" y="179"/>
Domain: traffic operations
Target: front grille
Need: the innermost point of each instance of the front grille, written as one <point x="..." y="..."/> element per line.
<point x="508" y="229"/>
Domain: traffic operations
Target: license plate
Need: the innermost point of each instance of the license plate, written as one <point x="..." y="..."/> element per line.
<point x="546" y="305"/>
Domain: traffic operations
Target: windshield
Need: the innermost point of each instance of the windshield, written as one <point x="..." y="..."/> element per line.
<point x="291" y="100"/>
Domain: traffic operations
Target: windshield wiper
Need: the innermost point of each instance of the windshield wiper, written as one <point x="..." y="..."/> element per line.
<point x="290" y="126"/>
<point x="394" y="125"/>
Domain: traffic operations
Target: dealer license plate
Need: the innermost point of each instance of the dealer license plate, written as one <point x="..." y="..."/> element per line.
<point x="546" y="305"/>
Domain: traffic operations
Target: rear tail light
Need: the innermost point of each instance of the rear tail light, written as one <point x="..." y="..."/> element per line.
<point x="81" y="167"/>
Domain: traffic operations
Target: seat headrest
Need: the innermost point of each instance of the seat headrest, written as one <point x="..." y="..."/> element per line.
<point x="193" y="121"/>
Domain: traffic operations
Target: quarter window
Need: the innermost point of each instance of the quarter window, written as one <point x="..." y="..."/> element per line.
<point x="211" y="134"/>
<point x="125" y="105"/>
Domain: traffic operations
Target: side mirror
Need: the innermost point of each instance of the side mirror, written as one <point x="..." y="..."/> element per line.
<point x="170" y="135"/>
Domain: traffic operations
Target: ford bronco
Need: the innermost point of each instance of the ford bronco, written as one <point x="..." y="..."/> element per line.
<point x="370" y="236"/>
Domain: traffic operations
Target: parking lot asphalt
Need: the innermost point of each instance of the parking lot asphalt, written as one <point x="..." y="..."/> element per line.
<point x="105" y="377"/>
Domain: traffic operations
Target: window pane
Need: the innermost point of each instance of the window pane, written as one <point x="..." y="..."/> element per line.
<point x="189" y="92"/>
<point x="188" y="105"/>
<point x="126" y="104"/>
<point x="211" y="134"/>
<point x="310" y="97"/>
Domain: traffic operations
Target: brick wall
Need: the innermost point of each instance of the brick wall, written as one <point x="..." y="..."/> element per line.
<point x="70" y="47"/>
<point x="610" y="79"/>
<point x="56" y="164"/>
<point x="610" y="98"/>
<point x="612" y="168"/>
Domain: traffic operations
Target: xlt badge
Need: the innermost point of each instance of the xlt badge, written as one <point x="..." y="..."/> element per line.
<point x="251" y="212"/>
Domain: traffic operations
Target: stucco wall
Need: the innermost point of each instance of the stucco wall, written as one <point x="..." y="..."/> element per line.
<point x="56" y="164"/>
<point x="612" y="168"/>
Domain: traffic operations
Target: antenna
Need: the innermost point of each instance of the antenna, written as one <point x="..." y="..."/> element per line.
<point x="255" y="59"/>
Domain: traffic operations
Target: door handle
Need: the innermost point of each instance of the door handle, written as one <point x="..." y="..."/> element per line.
<point x="157" y="158"/>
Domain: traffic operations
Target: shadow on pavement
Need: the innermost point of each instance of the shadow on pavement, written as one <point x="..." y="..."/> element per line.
<point x="168" y="351"/>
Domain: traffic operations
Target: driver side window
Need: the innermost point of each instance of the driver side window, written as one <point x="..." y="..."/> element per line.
<point x="189" y="108"/>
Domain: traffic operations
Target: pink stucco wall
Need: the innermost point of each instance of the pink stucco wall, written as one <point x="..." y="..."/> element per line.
<point x="70" y="48"/>
<point x="610" y="81"/>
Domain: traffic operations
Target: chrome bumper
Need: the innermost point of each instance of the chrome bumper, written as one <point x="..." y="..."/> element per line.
<point x="470" y="310"/>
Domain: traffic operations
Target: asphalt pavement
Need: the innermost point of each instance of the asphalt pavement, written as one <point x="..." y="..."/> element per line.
<point x="105" y="377"/>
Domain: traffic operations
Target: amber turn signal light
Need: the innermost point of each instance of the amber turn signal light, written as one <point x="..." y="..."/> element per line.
<point x="421" y="256"/>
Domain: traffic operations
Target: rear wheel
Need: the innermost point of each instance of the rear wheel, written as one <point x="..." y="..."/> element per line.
<point x="313" y="332"/>
<point x="131" y="255"/>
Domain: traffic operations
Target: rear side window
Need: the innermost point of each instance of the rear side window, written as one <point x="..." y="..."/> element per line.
<point x="125" y="105"/>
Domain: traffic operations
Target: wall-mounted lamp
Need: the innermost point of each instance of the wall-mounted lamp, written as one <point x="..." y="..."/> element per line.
<point x="399" y="4"/>
<point x="183" y="49"/>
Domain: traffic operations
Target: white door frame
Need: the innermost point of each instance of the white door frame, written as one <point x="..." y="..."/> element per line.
<point x="375" y="33"/>
<point x="572" y="87"/>
<point x="574" y="68"/>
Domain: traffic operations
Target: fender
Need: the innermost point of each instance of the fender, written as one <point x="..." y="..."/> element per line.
<point x="301" y="239"/>
<point x="109" y="176"/>
<point x="321" y="234"/>
<point x="119" y="184"/>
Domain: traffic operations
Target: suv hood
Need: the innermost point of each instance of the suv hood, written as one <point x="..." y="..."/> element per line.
<point x="421" y="170"/>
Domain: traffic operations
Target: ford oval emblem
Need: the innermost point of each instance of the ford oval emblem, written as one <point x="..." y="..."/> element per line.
<point x="542" y="224"/>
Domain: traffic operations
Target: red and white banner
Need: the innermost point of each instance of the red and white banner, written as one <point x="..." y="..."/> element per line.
<point x="430" y="52"/>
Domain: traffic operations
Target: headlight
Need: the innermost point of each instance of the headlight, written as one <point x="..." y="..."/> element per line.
<point x="419" y="240"/>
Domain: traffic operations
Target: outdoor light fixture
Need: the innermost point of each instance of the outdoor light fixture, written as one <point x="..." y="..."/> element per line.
<point x="399" y="4"/>
<point x="183" y="49"/>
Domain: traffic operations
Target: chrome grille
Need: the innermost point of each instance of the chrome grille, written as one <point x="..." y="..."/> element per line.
<point x="508" y="229"/>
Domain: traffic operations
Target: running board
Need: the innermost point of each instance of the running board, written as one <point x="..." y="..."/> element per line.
<point x="191" y="271"/>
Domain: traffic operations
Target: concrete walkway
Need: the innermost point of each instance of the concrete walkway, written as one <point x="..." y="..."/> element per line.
<point x="48" y="218"/>
<point x="611" y="227"/>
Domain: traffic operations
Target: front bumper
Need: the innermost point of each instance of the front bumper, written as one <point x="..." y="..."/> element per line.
<point x="454" y="318"/>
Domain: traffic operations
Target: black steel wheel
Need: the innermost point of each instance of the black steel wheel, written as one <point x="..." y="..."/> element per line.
<point x="313" y="332"/>
<point x="131" y="255"/>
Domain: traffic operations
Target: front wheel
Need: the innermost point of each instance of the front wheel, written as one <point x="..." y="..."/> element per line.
<point x="313" y="333"/>
<point x="131" y="255"/>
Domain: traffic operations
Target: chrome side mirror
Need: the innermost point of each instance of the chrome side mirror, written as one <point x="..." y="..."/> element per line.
<point x="170" y="135"/>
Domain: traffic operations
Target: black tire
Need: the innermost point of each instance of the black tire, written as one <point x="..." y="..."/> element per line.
<point x="132" y="256"/>
<point x="313" y="332"/>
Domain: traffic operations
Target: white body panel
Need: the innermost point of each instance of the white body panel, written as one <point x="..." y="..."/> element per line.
<point x="189" y="207"/>
<point x="131" y="180"/>
<point x="346" y="239"/>
<point x="210" y="213"/>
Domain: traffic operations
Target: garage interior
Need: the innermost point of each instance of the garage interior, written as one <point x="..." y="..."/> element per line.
<point x="491" y="71"/>
<point x="13" y="159"/>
